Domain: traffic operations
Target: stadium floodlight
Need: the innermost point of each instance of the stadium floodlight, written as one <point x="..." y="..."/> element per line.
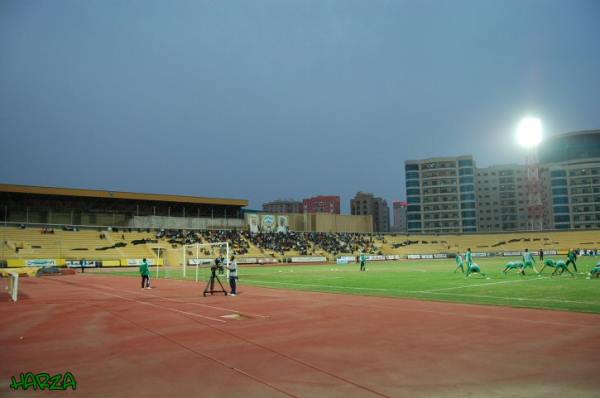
<point x="529" y="132"/>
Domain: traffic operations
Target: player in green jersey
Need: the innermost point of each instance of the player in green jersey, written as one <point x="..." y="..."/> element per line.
<point x="513" y="265"/>
<point x="459" y="263"/>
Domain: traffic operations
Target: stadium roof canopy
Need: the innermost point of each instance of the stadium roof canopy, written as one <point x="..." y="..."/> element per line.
<point x="92" y="193"/>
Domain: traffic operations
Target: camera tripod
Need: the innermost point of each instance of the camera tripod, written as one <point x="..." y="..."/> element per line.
<point x="210" y="286"/>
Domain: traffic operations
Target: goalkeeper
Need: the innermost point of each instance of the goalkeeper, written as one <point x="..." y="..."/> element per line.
<point x="459" y="263"/>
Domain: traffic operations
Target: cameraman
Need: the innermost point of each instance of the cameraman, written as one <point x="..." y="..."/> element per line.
<point x="232" y="267"/>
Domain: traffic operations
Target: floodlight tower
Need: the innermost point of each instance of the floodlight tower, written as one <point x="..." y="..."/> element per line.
<point x="529" y="135"/>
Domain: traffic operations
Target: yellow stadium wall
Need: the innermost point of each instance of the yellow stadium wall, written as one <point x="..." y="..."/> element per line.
<point x="326" y="222"/>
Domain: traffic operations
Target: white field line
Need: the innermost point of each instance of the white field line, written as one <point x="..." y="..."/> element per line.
<point x="432" y="292"/>
<point x="332" y="286"/>
<point x="191" y="303"/>
<point x="161" y="307"/>
<point x="482" y="284"/>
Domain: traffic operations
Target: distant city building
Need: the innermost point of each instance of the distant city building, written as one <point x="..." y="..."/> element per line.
<point x="399" y="210"/>
<point x="570" y="174"/>
<point x="501" y="198"/>
<point x="283" y="206"/>
<point x="322" y="204"/>
<point x="441" y="195"/>
<point x="367" y="204"/>
<point x="450" y="195"/>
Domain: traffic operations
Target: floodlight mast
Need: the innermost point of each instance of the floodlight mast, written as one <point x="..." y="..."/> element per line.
<point x="529" y="134"/>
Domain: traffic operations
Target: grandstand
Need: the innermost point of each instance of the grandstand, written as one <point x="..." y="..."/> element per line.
<point x="124" y="247"/>
<point x="59" y="225"/>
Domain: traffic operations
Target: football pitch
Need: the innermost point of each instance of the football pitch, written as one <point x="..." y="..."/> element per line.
<point x="426" y="280"/>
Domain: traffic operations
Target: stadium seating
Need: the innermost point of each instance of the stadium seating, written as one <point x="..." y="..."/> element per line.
<point x="39" y="243"/>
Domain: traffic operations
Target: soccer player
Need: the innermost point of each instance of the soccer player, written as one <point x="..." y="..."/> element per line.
<point x="528" y="262"/>
<point x="469" y="257"/>
<point x="562" y="266"/>
<point x="145" y="272"/>
<point x="474" y="269"/>
<point x="363" y="260"/>
<point x="571" y="258"/>
<point x="514" y="265"/>
<point x="594" y="272"/>
<point x="459" y="263"/>
<point x="548" y="263"/>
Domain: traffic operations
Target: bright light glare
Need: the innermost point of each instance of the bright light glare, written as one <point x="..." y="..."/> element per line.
<point x="529" y="132"/>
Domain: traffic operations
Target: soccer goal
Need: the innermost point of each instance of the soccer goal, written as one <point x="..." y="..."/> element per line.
<point x="13" y="285"/>
<point x="200" y="254"/>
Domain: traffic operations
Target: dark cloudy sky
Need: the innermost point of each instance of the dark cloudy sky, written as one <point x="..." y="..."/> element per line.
<point x="283" y="98"/>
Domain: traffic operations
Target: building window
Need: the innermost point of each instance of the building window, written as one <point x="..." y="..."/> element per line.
<point x="559" y="191"/>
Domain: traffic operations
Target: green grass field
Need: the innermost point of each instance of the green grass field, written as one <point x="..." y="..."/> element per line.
<point x="428" y="280"/>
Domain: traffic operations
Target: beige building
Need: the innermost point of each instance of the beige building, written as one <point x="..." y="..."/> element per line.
<point x="399" y="212"/>
<point x="283" y="206"/>
<point x="366" y="204"/>
<point x="501" y="195"/>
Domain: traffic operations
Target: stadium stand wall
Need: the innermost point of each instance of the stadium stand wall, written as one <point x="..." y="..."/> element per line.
<point x="18" y="246"/>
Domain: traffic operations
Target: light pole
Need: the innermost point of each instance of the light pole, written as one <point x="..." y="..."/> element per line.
<point x="529" y="135"/>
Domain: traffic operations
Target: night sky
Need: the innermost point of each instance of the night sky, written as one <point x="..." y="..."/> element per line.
<point x="283" y="99"/>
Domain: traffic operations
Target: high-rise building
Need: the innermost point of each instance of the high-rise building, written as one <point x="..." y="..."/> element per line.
<point x="501" y="197"/>
<point x="399" y="210"/>
<point x="322" y="204"/>
<point x="367" y="204"/>
<point x="451" y="195"/>
<point x="570" y="174"/>
<point x="283" y="206"/>
<point x="441" y="195"/>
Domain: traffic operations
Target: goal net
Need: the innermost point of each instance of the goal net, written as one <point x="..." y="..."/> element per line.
<point x="203" y="255"/>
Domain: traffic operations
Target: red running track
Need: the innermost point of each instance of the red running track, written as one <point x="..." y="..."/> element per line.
<point x="122" y="341"/>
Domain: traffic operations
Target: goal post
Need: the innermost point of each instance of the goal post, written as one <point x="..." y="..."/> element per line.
<point x="13" y="285"/>
<point x="198" y="254"/>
